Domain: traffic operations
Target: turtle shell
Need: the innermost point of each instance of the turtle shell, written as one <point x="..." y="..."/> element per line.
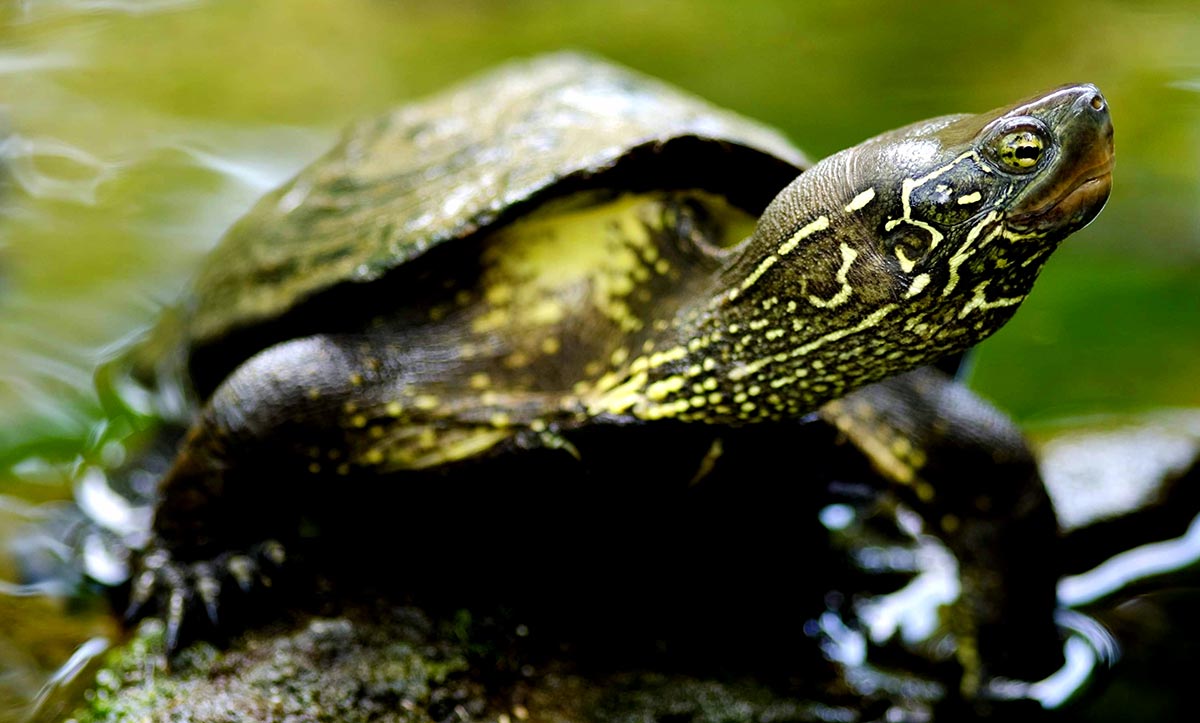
<point x="460" y="162"/>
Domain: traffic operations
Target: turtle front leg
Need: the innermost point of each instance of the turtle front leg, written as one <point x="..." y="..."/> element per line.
<point x="198" y="552"/>
<point x="276" y="444"/>
<point x="236" y="481"/>
<point x="967" y="470"/>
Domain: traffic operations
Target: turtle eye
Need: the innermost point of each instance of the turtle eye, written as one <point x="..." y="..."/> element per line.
<point x="1020" y="151"/>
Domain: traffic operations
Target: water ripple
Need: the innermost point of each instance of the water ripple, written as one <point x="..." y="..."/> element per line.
<point x="26" y="156"/>
<point x="36" y="10"/>
<point x="21" y="63"/>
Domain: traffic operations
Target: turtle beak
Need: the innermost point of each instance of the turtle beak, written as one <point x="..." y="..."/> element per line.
<point x="1076" y="189"/>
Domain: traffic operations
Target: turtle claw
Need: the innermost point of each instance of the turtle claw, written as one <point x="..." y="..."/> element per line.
<point x="243" y="570"/>
<point x="271" y="551"/>
<point x="176" y="609"/>
<point x="140" y="593"/>
<point x="208" y="587"/>
<point x="175" y="589"/>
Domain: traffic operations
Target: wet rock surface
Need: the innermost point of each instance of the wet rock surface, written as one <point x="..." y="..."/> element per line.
<point x="378" y="663"/>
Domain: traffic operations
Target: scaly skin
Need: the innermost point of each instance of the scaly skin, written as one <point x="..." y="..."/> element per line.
<point x="644" y="310"/>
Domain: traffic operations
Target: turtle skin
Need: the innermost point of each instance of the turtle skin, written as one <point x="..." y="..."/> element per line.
<point x="529" y="274"/>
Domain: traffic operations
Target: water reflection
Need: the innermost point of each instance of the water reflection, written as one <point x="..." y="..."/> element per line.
<point x="75" y="174"/>
<point x="61" y="693"/>
<point x="77" y="235"/>
<point x="1135" y="566"/>
<point x="14" y="63"/>
<point x="38" y="10"/>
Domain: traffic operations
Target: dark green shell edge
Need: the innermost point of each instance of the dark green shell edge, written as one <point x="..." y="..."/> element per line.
<point x="465" y="160"/>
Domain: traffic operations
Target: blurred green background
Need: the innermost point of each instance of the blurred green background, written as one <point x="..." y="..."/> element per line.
<point x="133" y="132"/>
<point x="140" y="129"/>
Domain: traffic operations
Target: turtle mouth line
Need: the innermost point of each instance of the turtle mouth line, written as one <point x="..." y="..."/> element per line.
<point x="1087" y="197"/>
<point x="1106" y="177"/>
<point x="1074" y="209"/>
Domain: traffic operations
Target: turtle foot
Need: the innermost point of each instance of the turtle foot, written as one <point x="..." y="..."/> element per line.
<point x="178" y="590"/>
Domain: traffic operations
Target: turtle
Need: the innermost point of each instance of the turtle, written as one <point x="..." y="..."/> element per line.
<point x="566" y="260"/>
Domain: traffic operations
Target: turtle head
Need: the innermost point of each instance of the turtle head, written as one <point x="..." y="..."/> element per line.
<point x="910" y="246"/>
<point x="946" y="222"/>
<point x="976" y="204"/>
<point x="965" y="197"/>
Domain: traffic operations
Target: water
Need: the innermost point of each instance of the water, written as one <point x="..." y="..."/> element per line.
<point x="135" y="132"/>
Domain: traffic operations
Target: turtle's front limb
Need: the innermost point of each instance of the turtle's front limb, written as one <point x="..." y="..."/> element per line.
<point x="237" y="480"/>
<point x="277" y="444"/>
<point x="201" y="551"/>
<point x="967" y="470"/>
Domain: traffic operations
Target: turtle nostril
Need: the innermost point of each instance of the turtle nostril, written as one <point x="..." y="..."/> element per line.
<point x="1098" y="102"/>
